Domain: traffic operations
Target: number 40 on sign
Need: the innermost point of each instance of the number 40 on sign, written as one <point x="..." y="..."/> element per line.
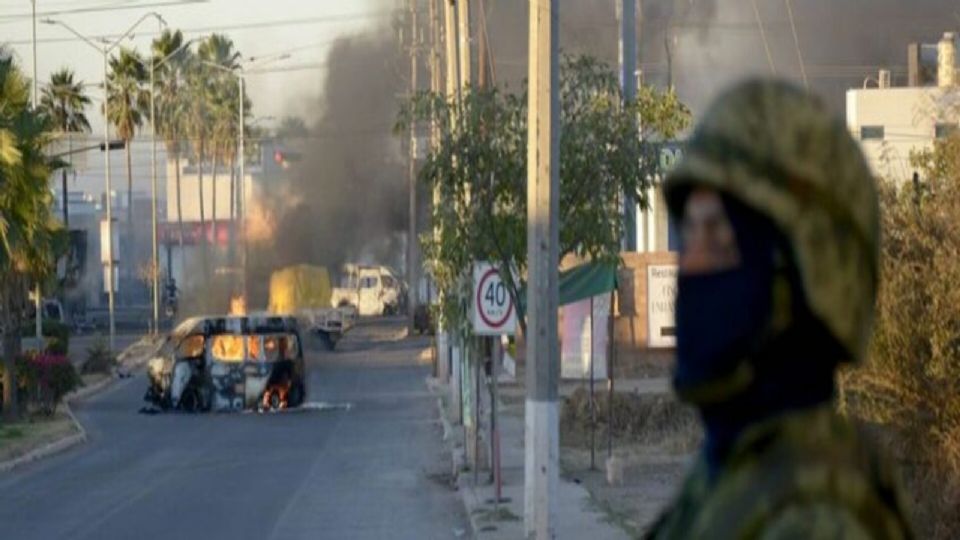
<point x="493" y="311"/>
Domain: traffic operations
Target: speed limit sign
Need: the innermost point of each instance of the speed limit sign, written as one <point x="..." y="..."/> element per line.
<point x="493" y="311"/>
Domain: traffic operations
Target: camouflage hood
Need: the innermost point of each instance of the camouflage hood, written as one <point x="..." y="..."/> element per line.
<point x="779" y="150"/>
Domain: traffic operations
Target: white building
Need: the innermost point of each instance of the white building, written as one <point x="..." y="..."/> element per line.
<point x="892" y="123"/>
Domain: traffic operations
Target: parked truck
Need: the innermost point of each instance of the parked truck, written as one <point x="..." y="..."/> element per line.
<point x="372" y="290"/>
<point x="303" y="291"/>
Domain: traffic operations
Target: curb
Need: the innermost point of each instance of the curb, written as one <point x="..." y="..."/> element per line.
<point x="51" y="448"/>
<point x="68" y="442"/>
<point x="462" y="491"/>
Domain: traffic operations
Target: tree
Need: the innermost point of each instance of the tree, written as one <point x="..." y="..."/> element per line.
<point x="128" y="99"/>
<point x="171" y="103"/>
<point x="222" y="97"/>
<point x="479" y="172"/>
<point x="63" y="101"/>
<point x="291" y="127"/>
<point x="30" y="239"/>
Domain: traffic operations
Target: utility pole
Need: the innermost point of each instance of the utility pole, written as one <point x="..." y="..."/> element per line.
<point x="34" y="97"/>
<point x="463" y="43"/>
<point x="541" y="444"/>
<point x="38" y="300"/>
<point x="155" y="251"/>
<point x="450" y="351"/>
<point x="628" y="81"/>
<point x="436" y="46"/>
<point x="413" y="260"/>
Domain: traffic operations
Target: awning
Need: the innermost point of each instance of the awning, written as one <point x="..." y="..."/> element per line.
<point x="579" y="283"/>
<point x="587" y="280"/>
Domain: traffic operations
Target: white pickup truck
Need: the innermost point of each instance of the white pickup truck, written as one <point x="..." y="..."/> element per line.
<point x="372" y="290"/>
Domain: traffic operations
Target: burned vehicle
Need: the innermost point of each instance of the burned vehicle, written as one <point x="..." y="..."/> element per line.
<point x="229" y="363"/>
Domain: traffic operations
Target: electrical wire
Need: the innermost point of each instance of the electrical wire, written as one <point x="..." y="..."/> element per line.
<point x="763" y="37"/>
<point x="12" y="18"/>
<point x="278" y="23"/>
<point x="796" y="44"/>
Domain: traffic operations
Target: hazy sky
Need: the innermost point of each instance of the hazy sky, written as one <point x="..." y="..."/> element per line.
<point x="258" y="27"/>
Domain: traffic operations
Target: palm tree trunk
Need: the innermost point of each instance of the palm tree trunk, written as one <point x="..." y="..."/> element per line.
<point x="176" y="159"/>
<point x="232" y="230"/>
<point x="66" y="211"/>
<point x="10" y="323"/>
<point x="213" y="197"/>
<point x="203" y="221"/>
<point x="10" y="353"/>
<point x="200" y="156"/>
<point x="129" y="246"/>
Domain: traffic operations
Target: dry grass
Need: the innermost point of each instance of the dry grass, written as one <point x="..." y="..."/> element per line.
<point x="658" y="421"/>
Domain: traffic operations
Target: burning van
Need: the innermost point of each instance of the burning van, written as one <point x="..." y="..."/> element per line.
<point x="229" y="363"/>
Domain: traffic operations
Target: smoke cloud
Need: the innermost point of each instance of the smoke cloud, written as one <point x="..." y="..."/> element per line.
<point x="345" y="200"/>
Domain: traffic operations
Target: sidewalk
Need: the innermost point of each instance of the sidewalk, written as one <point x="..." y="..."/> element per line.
<point x="577" y="514"/>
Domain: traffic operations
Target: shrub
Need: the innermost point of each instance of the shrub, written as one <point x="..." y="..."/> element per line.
<point x="99" y="358"/>
<point x="910" y="384"/>
<point x="43" y="380"/>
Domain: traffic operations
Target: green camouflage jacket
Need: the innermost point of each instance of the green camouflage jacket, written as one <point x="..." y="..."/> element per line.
<point x="805" y="475"/>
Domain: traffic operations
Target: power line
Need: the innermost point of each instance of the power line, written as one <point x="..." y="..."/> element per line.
<point x="7" y="19"/>
<point x="280" y="23"/>
<point x="763" y="36"/>
<point x="796" y="44"/>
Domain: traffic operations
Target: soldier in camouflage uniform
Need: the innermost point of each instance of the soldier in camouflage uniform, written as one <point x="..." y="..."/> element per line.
<point x="778" y="216"/>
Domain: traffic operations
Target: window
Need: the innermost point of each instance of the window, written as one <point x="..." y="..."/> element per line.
<point x="368" y="283"/>
<point x="227" y="348"/>
<point x="191" y="347"/>
<point x="871" y="133"/>
<point x="945" y="129"/>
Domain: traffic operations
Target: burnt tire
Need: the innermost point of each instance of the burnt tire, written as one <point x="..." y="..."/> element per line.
<point x="296" y="395"/>
<point x="191" y="401"/>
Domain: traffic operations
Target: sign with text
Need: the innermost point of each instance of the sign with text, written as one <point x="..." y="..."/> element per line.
<point x="493" y="312"/>
<point x="583" y="338"/>
<point x="661" y="295"/>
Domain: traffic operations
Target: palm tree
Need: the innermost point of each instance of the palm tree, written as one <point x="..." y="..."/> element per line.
<point x="222" y="96"/>
<point x="63" y="102"/>
<point x="197" y="122"/>
<point x="170" y="81"/>
<point x="30" y="239"/>
<point x="128" y="99"/>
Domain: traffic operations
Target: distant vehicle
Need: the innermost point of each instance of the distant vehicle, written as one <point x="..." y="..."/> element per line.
<point x="303" y="291"/>
<point x="229" y="363"/>
<point x="373" y="290"/>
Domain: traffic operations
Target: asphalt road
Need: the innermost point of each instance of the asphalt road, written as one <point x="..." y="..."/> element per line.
<point x="373" y="470"/>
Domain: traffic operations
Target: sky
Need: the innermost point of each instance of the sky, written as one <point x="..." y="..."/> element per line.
<point x="259" y="28"/>
<point x="305" y="29"/>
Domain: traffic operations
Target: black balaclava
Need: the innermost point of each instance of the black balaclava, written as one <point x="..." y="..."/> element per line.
<point x="725" y="326"/>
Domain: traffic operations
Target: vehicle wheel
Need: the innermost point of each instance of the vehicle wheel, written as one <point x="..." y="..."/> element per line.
<point x="190" y="401"/>
<point x="295" y="397"/>
<point x="326" y="340"/>
<point x="274" y="400"/>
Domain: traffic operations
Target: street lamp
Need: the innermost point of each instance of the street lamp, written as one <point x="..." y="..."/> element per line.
<point x="155" y="251"/>
<point x="105" y="48"/>
<point x="240" y="145"/>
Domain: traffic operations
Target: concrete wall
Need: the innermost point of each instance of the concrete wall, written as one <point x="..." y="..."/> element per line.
<point x="909" y="117"/>
<point x="633" y="357"/>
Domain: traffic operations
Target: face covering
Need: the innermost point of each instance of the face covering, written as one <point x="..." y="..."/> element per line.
<point x="721" y="316"/>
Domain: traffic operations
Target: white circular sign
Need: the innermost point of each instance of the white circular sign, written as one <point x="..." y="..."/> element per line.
<point x="494" y="312"/>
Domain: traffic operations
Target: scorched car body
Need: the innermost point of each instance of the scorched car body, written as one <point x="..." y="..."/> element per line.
<point x="229" y="363"/>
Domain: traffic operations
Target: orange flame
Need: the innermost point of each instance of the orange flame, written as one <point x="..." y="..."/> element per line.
<point x="238" y="304"/>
